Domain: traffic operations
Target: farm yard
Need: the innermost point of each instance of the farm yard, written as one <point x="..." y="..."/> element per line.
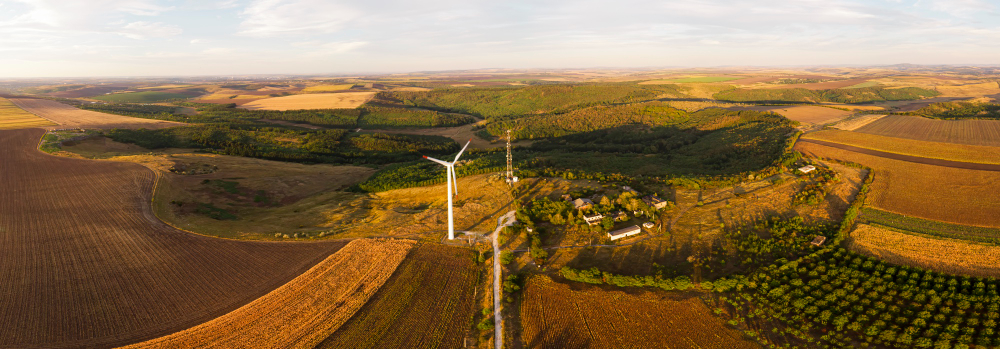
<point x="971" y="132"/>
<point x="556" y="315"/>
<point x="430" y="299"/>
<point x="13" y="117"/>
<point x="304" y="311"/>
<point x="932" y="253"/>
<point x="926" y="191"/>
<point x="100" y="270"/>
<point x="70" y="117"/>
<point x="311" y="101"/>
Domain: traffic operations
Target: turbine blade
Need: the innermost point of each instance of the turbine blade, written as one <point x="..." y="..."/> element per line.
<point x="454" y="179"/>
<point x="463" y="149"/>
<point x="438" y="161"/>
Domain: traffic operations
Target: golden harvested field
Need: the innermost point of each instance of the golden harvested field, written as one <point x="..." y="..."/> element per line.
<point x="311" y="101"/>
<point x="934" y="150"/>
<point x="853" y="123"/>
<point x="693" y="106"/>
<point x="328" y="88"/>
<point x="932" y="192"/>
<point x="430" y="299"/>
<point x="970" y="90"/>
<point x="972" y="132"/>
<point x="303" y="312"/>
<point x="555" y="315"/>
<point x="71" y="117"/>
<point x="944" y="255"/>
<point x="13" y="117"/>
<point x="806" y="113"/>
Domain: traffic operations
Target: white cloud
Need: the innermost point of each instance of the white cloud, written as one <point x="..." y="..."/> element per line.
<point x="143" y="30"/>
<point x="266" y="18"/>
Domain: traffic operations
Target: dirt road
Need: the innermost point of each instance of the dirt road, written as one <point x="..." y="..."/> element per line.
<point x="504" y="221"/>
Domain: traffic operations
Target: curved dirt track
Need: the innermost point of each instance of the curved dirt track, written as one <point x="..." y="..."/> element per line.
<point x="908" y="158"/>
<point x="84" y="263"/>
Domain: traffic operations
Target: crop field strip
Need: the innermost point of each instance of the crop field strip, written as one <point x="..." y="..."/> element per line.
<point x="70" y="117"/>
<point x="921" y="149"/>
<point x="972" y="132"/>
<point x="884" y="219"/>
<point x="94" y="267"/>
<point x="311" y="101"/>
<point x="946" y="194"/>
<point x="555" y="315"/>
<point x="908" y="158"/>
<point x="301" y="313"/>
<point x="13" y="117"/>
<point x="943" y="255"/>
<point x="430" y="298"/>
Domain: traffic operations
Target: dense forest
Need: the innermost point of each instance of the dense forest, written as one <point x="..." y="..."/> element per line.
<point x="960" y="110"/>
<point x="368" y="116"/>
<point x="523" y="101"/>
<point x="278" y="143"/>
<point x="801" y="95"/>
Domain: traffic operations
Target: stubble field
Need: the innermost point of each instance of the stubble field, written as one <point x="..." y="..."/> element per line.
<point x="86" y="264"/>
<point x="911" y="147"/>
<point x="13" y="117"/>
<point x="71" y="117"/>
<point x="944" y="255"/>
<point x="972" y="132"/>
<point x="311" y="101"/>
<point x="428" y="303"/>
<point x="946" y="194"/>
<point x="555" y="315"/>
<point x="301" y="313"/>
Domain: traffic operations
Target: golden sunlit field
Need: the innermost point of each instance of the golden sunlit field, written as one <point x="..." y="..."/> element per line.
<point x="328" y="88"/>
<point x="311" y="101"/>
<point x="70" y="117"/>
<point x="945" y="255"/>
<point x="932" y="192"/>
<point x="973" y="132"/>
<point x="555" y="315"/>
<point x="304" y="311"/>
<point x="934" y="150"/>
<point x="13" y="117"/>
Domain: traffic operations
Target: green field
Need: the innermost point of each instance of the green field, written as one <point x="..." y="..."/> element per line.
<point x="705" y="79"/>
<point x="927" y="227"/>
<point x="143" y="97"/>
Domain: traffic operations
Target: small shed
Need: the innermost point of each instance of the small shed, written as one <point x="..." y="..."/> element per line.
<point x="819" y="240"/>
<point x="654" y="201"/>
<point x="807" y="168"/>
<point x="620" y="216"/>
<point x="623" y="233"/>
<point x="582" y="204"/>
<point x="648" y="225"/>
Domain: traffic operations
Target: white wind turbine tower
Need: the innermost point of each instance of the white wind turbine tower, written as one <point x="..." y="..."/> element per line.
<point x="452" y="181"/>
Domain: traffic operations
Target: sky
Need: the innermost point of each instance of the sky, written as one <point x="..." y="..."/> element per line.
<point x="70" y="38"/>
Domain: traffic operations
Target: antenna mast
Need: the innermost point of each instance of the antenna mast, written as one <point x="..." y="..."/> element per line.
<point x="510" y="162"/>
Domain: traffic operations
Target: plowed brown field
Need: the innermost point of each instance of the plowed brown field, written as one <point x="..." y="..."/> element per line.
<point x="84" y="263"/>
<point x="303" y="312"/>
<point x="430" y="298"/>
<point x="71" y="117"/>
<point x="940" y="193"/>
<point x="972" y="132"/>
<point x="554" y="315"/>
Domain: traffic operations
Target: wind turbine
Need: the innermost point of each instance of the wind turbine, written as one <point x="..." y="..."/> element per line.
<point x="452" y="181"/>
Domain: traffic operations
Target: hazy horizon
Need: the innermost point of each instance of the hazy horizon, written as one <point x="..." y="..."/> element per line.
<point x="120" y="38"/>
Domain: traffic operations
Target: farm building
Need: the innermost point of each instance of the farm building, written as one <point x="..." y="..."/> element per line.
<point x="623" y="233"/>
<point x="595" y="219"/>
<point x="819" y="240"/>
<point x="582" y="204"/>
<point x="807" y="168"/>
<point x="620" y="215"/>
<point x="648" y="225"/>
<point x="654" y="201"/>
